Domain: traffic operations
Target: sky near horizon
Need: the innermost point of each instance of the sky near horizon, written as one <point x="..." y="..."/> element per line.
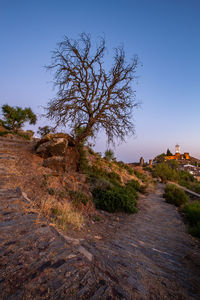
<point x="164" y="34"/>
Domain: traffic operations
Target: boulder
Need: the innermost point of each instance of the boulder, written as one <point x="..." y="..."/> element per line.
<point x="53" y="147"/>
<point x="59" y="152"/>
<point x="56" y="163"/>
<point x="55" y="136"/>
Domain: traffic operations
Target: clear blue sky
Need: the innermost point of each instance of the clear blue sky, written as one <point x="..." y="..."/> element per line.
<point x="164" y="33"/>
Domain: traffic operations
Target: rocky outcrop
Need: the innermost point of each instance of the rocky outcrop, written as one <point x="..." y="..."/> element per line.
<point x="59" y="152"/>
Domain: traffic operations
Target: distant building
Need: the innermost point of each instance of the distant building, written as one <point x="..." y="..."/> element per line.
<point x="178" y="155"/>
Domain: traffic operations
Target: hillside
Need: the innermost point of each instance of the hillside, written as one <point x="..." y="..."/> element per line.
<point x="148" y="255"/>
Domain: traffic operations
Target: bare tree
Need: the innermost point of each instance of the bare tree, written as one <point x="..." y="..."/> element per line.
<point x="89" y="97"/>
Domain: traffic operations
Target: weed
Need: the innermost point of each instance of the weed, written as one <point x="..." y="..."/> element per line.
<point x="51" y="191"/>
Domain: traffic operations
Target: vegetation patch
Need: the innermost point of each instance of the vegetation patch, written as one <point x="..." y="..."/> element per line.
<point x="175" y="195"/>
<point x="170" y="171"/>
<point x="124" y="166"/>
<point x="140" y="176"/>
<point x="192" y="214"/>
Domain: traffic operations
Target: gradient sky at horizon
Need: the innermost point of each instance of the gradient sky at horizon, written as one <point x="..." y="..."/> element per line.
<point x="164" y="34"/>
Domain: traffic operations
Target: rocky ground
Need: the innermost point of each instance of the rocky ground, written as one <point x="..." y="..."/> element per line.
<point x="144" y="256"/>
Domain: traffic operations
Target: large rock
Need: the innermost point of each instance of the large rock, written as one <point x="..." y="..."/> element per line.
<point x="53" y="147"/>
<point x="56" y="163"/>
<point x="55" y="136"/>
<point x="59" y="152"/>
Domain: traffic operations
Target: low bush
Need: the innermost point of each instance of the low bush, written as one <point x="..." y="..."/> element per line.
<point x="117" y="198"/>
<point x="170" y="171"/>
<point x="192" y="213"/>
<point x="175" y="195"/>
<point x="165" y="172"/>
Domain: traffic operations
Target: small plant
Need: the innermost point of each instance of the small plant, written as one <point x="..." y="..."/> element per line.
<point x="175" y="195"/>
<point x="109" y="155"/>
<point x="51" y="191"/>
<point x="78" y="197"/>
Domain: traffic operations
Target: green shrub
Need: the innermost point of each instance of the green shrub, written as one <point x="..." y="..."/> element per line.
<point x="117" y="198"/>
<point x="175" y="195"/>
<point x="192" y="213"/>
<point x="164" y="171"/>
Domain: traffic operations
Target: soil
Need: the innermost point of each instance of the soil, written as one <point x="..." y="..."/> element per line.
<point x="148" y="255"/>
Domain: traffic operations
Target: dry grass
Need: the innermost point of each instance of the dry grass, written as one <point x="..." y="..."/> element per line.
<point x="61" y="213"/>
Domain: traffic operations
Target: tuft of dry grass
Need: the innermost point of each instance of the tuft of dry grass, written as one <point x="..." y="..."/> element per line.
<point x="61" y="213"/>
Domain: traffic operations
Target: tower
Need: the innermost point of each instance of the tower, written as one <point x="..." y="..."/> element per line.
<point x="177" y="149"/>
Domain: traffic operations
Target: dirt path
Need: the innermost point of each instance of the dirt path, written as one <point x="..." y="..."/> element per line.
<point x="149" y="256"/>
